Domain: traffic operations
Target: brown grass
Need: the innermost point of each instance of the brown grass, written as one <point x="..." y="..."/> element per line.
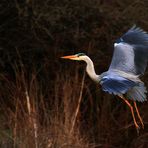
<point x="74" y="116"/>
<point x="39" y="121"/>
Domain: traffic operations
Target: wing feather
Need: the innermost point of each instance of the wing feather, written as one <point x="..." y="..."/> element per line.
<point x="116" y="85"/>
<point x="137" y="93"/>
<point x="131" y="52"/>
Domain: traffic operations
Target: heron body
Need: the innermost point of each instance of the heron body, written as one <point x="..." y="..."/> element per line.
<point x="117" y="84"/>
<point x="128" y="63"/>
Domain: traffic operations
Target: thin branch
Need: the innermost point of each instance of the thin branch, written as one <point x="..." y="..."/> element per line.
<point x="78" y="105"/>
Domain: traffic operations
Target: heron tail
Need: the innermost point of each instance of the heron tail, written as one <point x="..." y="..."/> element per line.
<point x="137" y="93"/>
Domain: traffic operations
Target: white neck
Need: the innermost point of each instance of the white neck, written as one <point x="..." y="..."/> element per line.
<point x="90" y="69"/>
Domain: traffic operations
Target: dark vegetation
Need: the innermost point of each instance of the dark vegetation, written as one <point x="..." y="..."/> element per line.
<point x="40" y="93"/>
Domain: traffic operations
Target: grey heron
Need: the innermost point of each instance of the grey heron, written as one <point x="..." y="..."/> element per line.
<point x="128" y="63"/>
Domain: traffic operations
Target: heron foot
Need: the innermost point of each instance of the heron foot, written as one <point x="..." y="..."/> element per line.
<point x="137" y="128"/>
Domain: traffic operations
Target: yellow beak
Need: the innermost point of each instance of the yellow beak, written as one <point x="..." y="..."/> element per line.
<point x="71" y="57"/>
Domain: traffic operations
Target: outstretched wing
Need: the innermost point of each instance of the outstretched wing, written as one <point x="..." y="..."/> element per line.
<point x="131" y="52"/>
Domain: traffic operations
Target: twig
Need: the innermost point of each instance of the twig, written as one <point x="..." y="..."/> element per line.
<point x="28" y="103"/>
<point x="32" y="119"/>
<point x="78" y="105"/>
<point x="15" y="125"/>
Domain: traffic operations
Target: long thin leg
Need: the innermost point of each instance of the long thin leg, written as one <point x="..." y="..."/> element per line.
<point x="139" y="114"/>
<point x="132" y="111"/>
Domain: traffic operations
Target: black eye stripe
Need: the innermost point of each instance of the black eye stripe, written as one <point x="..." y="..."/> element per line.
<point x="80" y="54"/>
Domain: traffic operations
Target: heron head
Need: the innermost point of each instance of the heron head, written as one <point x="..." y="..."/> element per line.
<point x="78" y="57"/>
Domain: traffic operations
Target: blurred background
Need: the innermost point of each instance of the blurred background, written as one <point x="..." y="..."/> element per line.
<point x="47" y="102"/>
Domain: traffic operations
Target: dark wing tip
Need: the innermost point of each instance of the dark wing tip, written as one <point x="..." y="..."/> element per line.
<point x="136" y="36"/>
<point x="137" y="29"/>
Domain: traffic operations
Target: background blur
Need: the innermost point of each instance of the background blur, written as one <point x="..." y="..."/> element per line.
<point x="40" y="93"/>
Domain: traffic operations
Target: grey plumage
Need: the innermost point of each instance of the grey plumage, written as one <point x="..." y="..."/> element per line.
<point x="137" y="93"/>
<point x="131" y="52"/>
<point x="130" y="60"/>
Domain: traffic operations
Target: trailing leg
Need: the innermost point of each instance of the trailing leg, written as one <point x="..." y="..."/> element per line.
<point x="138" y="114"/>
<point x="132" y="111"/>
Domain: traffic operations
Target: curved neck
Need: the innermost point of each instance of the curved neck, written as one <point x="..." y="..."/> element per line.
<point x="90" y="70"/>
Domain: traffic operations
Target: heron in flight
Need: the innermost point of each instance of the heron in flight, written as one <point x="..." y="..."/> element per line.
<point x="128" y="63"/>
